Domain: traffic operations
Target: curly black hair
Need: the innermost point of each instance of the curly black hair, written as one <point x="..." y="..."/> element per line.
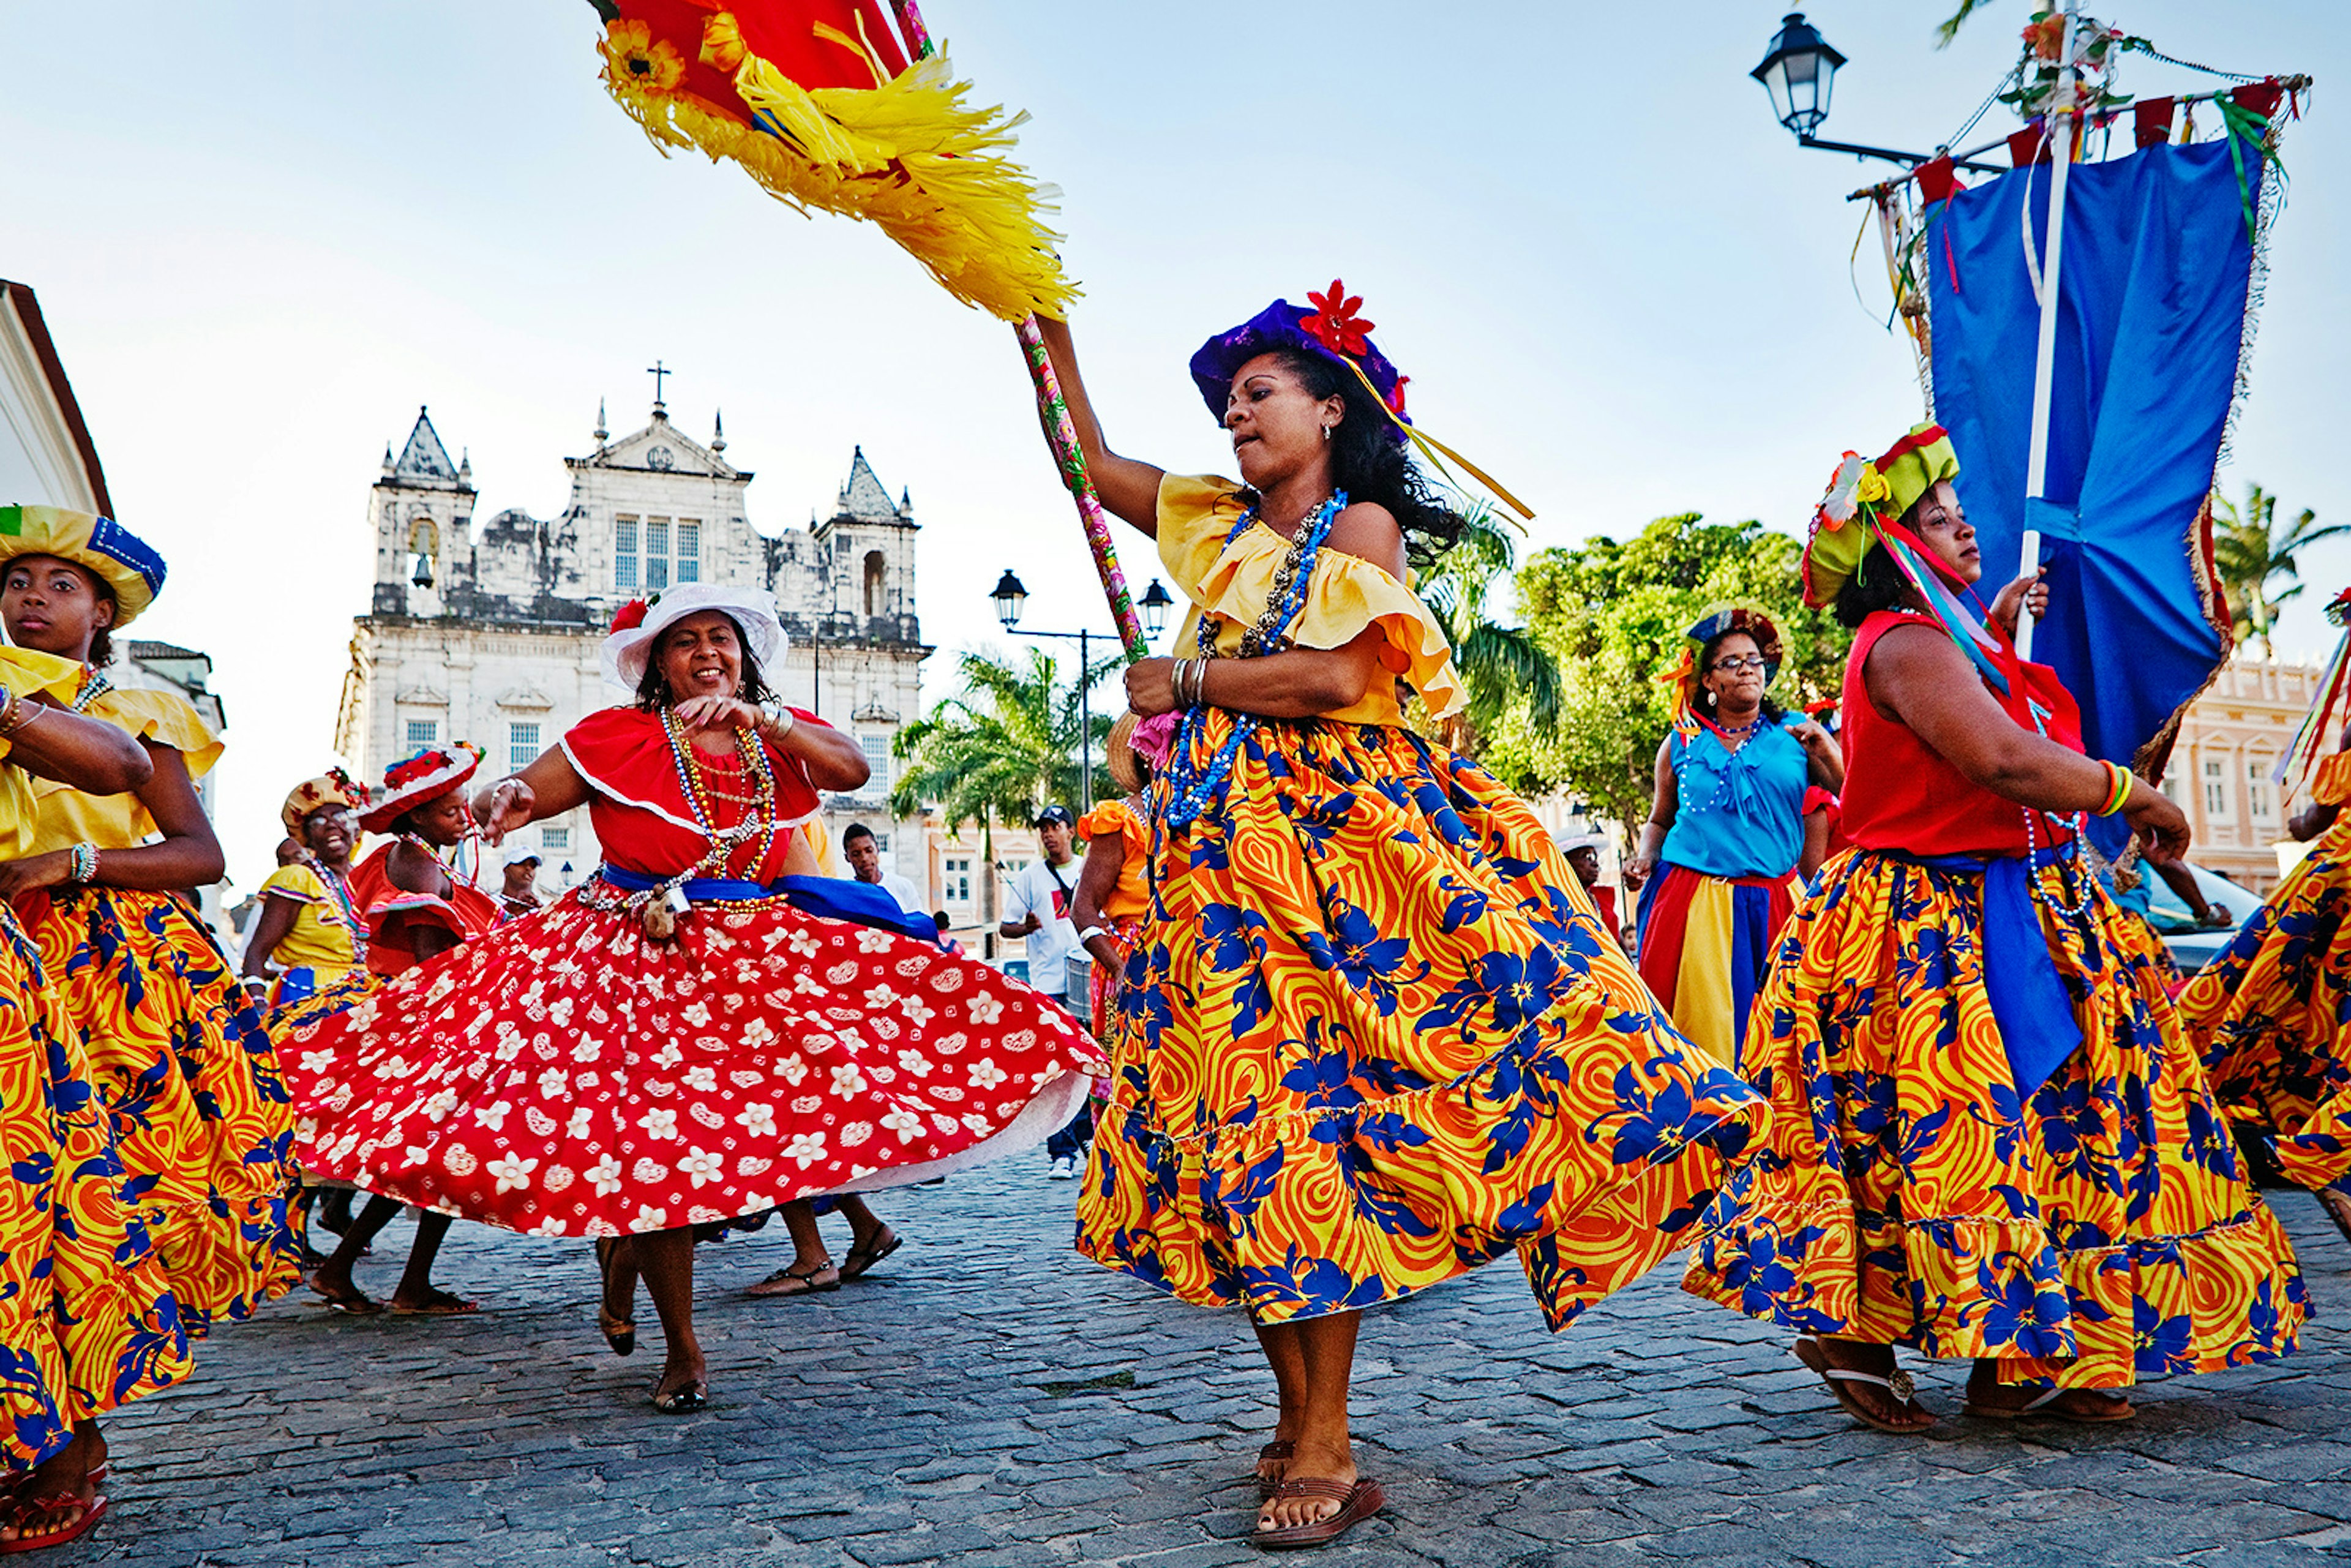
<point x="1370" y="465"/>
<point x="1773" y="712"/>
<point x="653" y="689"/>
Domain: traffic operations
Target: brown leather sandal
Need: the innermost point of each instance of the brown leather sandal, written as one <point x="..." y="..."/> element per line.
<point x="1280" y="1448"/>
<point x="1356" y="1503"/>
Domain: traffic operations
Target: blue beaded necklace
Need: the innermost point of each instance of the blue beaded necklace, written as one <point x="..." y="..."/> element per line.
<point x="1191" y="790"/>
<point x="1722" y="781"/>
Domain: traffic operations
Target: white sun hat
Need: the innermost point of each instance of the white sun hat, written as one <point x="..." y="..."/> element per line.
<point x="639" y="625"/>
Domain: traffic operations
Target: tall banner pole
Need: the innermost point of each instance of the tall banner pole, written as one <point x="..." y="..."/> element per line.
<point x="2063" y="117"/>
<point x="1061" y="430"/>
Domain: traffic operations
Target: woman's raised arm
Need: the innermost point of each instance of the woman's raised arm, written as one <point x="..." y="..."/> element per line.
<point x="1128" y="489"/>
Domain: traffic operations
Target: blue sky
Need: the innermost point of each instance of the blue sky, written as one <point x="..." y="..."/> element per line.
<point x="264" y="233"/>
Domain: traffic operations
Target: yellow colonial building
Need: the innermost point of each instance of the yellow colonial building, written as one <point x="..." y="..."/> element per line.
<point x="2221" y="770"/>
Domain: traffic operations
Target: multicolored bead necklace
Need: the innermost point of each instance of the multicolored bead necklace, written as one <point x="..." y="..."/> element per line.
<point x="698" y="792"/>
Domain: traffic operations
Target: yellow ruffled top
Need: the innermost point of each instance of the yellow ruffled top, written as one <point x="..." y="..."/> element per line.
<point x="2332" y="786"/>
<point x="119" y="821"/>
<point x="320" y="937"/>
<point x="1345" y="595"/>
<point x="24" y="672"/>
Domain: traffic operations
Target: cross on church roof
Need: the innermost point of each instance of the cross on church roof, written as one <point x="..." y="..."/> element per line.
<point x="657" y="371"/>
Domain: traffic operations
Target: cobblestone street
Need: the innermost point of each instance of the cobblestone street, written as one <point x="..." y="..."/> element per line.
<point x="989" y="1399"/>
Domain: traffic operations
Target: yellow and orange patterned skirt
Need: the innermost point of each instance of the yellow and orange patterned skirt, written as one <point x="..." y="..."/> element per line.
<point x="88" y="1320"/>
<point x="2271" y="1018"/>
<point x="201" y="1122"/>
<point x="1374" y="1036"/>
<point x="2094" y="1233"/>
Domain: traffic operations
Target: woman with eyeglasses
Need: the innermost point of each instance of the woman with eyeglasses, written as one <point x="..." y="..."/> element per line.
<point x="1739" y="818"/>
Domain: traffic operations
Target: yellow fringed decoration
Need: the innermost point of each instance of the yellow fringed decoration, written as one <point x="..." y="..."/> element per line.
<point x="908" y="155"/>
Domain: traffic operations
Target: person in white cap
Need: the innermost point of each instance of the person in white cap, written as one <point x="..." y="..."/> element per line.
<point x="519" y="896"/>
<point x="676" y="1044"/>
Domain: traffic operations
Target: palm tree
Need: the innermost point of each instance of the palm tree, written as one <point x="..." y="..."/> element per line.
<point x="1005" y="748"/>
<point x="1496" y="663"/>
<point x="2250" y="554"/>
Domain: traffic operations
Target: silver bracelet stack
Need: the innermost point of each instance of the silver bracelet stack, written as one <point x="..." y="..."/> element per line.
<point x="1190" y="682"/>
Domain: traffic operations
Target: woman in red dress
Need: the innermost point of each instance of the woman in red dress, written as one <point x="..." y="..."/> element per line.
<point x="414" y="907"/>
<point x="676" y="1042"/>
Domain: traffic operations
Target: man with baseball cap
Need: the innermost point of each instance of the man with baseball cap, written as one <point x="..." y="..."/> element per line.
<point x="1040" y="916"/>
<point x="519" y="896"/>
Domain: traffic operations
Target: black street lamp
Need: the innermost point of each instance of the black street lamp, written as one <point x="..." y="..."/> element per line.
<point x="1011" y="596"/>
<point x="1799" y="71"/>
<point x="1157" y="600"/>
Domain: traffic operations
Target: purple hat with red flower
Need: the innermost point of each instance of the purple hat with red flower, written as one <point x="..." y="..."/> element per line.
<point x="1331" y="331"/>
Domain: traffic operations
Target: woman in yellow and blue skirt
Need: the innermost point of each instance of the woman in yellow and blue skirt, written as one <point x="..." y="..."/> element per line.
<point x="1986" y="1142"/>
<point x="87" y="1319"/>
<point x="1374" y="1035"/>
<point x="2272" y="1015"/>
<point x="201" y="1121"/>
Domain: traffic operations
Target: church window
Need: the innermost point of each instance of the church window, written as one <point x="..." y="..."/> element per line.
<point x="874" y="566"/>
<point x="522" y="745"/>
<point x="555" y="841"/>
<point x="624" y="552"/>
<point x="689" y="551"/>
<point x="957" y="879"/>
<point x="877" y="757"/>
<point x="421" y="733"/>
<point x="657" y="553"/>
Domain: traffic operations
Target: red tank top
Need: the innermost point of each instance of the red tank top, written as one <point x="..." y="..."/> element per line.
<point x="1900" y="794"/>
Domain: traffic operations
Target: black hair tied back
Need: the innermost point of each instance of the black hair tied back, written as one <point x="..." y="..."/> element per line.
<point x="1370" y="466"/>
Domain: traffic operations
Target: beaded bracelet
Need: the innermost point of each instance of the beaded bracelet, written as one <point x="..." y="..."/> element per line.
<point x="2119" y="780"/>
<point x="85" y="863"/>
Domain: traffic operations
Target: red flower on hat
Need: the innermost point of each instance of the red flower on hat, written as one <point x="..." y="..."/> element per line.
<point x="629" y="616"/>
<point x="1334" y="323"/>
<point x="1395" y="396"/>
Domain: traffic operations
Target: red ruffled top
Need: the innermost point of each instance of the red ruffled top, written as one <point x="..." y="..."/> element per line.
<point x="640" y="811"/>
<point x="1900" y="794"/>
<point x="390" y="910"/>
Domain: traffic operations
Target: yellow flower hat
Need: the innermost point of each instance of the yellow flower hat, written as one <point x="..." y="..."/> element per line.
<point x="119" y="558"/>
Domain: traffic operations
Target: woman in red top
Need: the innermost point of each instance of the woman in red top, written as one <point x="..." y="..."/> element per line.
<point x="1986" y="1141"/>
<point x="414" y="907"/>
<point x="674" y="1044"/>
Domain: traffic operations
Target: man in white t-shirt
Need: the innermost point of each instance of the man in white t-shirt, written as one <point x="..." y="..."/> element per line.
<point x="863" y="853"/>
<point x="1040" y="916"/>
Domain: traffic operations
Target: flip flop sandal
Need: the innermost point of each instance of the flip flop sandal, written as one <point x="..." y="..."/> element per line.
<point x="354" y="1301"/>
<point x="2337" y="1206"/>
<point x="1280" y="1448"/>
<point x="439" y="1305"/>
<point x="619" y="1333"/>
<point x="1898" y="1384"/>
<point x="1356" y="1503"/>
<point x="784" y="1279"/>
<point x="54" y="1502"/>
<point x="685" y="1398"/>
<point x="2045" y="1403"/>
<point x="861" y="1258"/>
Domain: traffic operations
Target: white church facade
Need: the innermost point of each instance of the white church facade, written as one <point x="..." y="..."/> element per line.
<point x="488" y="632"/>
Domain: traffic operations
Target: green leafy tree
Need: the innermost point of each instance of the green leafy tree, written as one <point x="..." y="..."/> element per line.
<point x="1615" y="618"/>
<point x="1501" y="666"/>
<point x="1000" y="749"/>
<point x="2251" y="555"/>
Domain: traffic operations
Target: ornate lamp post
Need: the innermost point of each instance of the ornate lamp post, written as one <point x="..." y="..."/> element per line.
<point x="1011" y="598"/>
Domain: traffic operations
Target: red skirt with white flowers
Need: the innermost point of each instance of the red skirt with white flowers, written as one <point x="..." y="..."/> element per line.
<point x="565" y="1075"/>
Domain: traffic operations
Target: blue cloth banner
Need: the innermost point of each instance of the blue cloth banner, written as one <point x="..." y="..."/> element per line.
<point x="2151" y="314"/>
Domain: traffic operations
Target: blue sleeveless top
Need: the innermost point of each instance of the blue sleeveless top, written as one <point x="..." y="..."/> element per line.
<point x="1739" y="813"/>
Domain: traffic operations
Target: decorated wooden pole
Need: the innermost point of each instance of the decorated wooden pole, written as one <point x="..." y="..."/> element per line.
<point x="1061" y="430"/>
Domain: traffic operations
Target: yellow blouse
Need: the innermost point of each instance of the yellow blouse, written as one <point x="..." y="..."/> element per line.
<point x="24" y="672"/>
<point x="2333" y="785"/>
<point x="119" y="821"/>
<point x="1345" y="595"/>
<point x="321" y="937"/>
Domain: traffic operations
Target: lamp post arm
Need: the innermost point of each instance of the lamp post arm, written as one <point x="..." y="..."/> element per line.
<point x="1891" y="155"/>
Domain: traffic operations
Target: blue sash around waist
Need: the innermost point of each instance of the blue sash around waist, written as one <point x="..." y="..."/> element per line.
<point x="2029" y="998"/>
<point x="829" y="898"/>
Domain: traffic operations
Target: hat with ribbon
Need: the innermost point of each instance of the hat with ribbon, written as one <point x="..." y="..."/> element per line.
<point x="1689" y="680"/>
<point x="638" y="623"/>
<point x="419" y="780"/>
<point x="1864" y="499"/>
<point x="1334" y="331"/>
<point x="332" y="787"/>
<point x="118" y="558"/>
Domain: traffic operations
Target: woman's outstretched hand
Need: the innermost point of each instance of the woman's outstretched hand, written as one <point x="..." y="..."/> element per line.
<point x="503" y="807"/>
<point x="716" y="713"/>
<point x="2160" y="823"/>
<point x="2030" y="592"/>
